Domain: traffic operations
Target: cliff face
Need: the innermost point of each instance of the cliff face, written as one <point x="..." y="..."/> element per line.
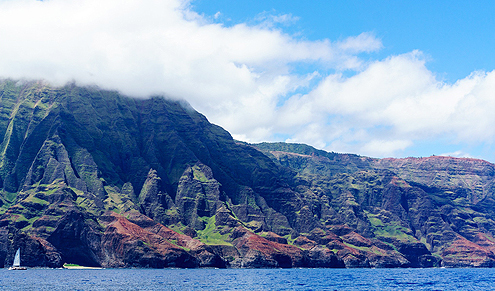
<point x="91" y="177"/>
<point x="434" y="211"/>
<point x="71" y="156"/>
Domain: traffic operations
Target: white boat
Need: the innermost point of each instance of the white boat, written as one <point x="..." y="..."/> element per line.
<point x="17" y="261"/>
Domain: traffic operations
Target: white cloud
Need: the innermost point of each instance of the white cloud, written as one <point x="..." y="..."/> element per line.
<point x="357" y="43"/>
<point x="385" y="147"/>
<point x="457" y="154"/>
<point x="267" y="19"/>
<point x="242" y="78"/>
<point x="235" y="75"/>
<point x="383" y="109"/>
<point x="148" y="46"/>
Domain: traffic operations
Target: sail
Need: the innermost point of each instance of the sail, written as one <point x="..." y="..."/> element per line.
<point x="17" y="259"/>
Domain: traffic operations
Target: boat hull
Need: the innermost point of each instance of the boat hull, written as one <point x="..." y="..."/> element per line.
<point x="18" y="268"/>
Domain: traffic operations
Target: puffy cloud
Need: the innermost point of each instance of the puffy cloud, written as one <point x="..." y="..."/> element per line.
<point x="384" y="108"/>
<point x="235" y="75"/>
<point x="457" y="154"/>
<point x="385" y="147"/>
<point x="269" y="20"/>
<point x="364" y="42"/>
<point x="245" y="77"/>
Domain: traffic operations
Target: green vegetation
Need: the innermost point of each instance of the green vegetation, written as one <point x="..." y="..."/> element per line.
<point x="178" y="228"/>
<point x="211" y="235"/>
<point x="9" y="196"/>
<point x="198" y="174"/>
<point x="91" y="151"/>
<point x="290" y="239"/>
<point x="35" y="200"/>
<point x="393" y="229"/>
<point x="371" y="249"/>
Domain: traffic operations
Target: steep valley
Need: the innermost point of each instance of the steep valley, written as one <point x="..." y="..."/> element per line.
<point x="95" y="178"/>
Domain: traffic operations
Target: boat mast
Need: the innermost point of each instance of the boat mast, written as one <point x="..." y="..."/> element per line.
<point x="17" y="258"/>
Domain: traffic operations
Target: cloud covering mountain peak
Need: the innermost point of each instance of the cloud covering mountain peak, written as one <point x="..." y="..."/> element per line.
<point x="246" y="77"/>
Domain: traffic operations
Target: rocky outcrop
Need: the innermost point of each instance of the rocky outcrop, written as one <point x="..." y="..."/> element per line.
<point x="463" y="253"/>
<point x="258" y="252"/>
<point x="205" y="255"/>
<point x="36" y="252"/>
<point x="77" y="237"/>
<point x="265" y="252"/>
<point x="91" y="177"/>
<point x="469" y="179"/>
<point x="154" y="201"/>
<point x="198" y="195"/>
<point x="418" y="206"/>
<point x="125" y="244"/>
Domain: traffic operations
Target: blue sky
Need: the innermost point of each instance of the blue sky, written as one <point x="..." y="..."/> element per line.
<point x="458" y="36"/>
<point x="376" y="78"/>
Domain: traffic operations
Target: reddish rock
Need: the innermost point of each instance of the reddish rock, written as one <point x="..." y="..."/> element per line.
<point x="128" y="245"/>
<point x="322" y="237"/>
<point x="271" y="236"/>
<point x="366" y="254"/>
<point x="258" y="252"/>
<point x="304" y="242"/>
<point x="340" y="230"/>
<point x="463" y="253"/>
<point x="205" y="254"/>
<point x="485" y="242"/>
<point x="356" y="239"/>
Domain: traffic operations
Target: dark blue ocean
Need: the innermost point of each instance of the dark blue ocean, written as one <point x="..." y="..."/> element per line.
<point x="249" y="279"/>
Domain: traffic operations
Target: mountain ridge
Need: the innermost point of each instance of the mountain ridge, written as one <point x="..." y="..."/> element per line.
<point x="92" y="177"/>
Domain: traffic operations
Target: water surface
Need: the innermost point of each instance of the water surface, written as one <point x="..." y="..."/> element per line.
<point x="248" y="279"/>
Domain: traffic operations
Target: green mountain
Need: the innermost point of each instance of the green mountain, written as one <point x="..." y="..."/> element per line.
<point x="94" y="178"/>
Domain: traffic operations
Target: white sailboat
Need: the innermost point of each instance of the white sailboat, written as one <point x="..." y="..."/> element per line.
<point x="17" y="261"/>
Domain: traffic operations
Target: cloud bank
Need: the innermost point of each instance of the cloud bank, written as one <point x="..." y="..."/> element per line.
<point x="392" y="103"/>
<point x="247" y="77"/>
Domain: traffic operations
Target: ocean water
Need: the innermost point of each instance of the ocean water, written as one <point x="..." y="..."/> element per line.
<point x="249" y="279"/>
